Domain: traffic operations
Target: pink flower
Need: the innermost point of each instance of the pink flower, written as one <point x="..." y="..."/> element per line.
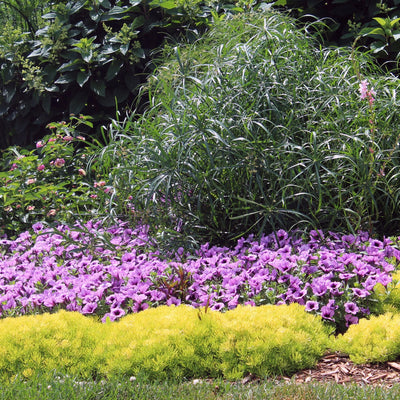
<point x="39" y="144"/>
<point x="68" y="138"/>
<point x="14" y="166"/>
<point x="51" y="212"/>
<point x="93" y="196"/>
<point x="365" y="93"/>
<point x="363" y="89"/>
<point x="30" y="181"/>
<point x="59" y="162"/>
<point x="30" y="208"/>
<point x="99" y="184"/>
<point x="41" y="167"/>
<point x="82" y="172"/>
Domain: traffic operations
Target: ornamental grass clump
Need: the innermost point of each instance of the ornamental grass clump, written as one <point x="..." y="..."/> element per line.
<point x="255" y="127"/>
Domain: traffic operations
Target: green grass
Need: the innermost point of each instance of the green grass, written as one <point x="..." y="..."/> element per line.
<point x="68" y="388"/>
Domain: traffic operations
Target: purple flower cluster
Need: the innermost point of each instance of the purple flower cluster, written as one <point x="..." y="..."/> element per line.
<point x="333" y="276"/>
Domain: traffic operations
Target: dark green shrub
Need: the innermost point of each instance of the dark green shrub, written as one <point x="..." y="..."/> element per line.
<point x="89" y="57"/>
<point x="375" y="22"/>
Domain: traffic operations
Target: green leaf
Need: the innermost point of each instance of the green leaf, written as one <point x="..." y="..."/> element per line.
<point x="396" y="35"/>
<point x="70" y="66"/>
<point x="98" y="87"/>
<point x="115" y="14"/>
<point x="378" y="46"/>
<point x="124" y="48"/>
<point x="65" y="79"/>
<point x="381" y="21"/>
<point x="78" y="102"/>
<point x="168" y="5"/>
<point x="83" y="77"/>
<point x="372" y="31"/>
<point x="9" y="92"/>
<point x="113" y="69"/>
<point x="132" y="82"/>
<point x="394" y="22"/>
<point x="138" y="22"/>
<point x="139" y="52"/>
<point x="46" y="104"/>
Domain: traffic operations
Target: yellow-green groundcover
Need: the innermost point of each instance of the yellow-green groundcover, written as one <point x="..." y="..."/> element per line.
<point x="181" y="342"/>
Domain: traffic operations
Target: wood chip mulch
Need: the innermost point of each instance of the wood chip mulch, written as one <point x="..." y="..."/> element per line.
<point x="338" y="368"/>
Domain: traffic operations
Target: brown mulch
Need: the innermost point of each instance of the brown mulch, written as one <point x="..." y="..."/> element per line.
<point x="339" y="369"/>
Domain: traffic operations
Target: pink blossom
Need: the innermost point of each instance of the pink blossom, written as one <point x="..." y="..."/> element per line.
<point x="366" y="93"/>
<point x="363" y="89"/>
<point x="99" y="184"/>
<point x="30" y="181"/>
<point x="59" y="162"/>
<point x="41" y="167"/>
<point x="82" y="172"/>
<point x="39" y="144"/>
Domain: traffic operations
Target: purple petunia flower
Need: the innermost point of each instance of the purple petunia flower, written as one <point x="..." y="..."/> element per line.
<point x="312" y="306"/>
<point x="351" y="308"/>
<point x="350" y="319"/>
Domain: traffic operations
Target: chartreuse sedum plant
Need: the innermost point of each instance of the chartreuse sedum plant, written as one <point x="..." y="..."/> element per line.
<point x="164" y="343"/>
<point x="64" y="342"/>
<point x="388" y="298"/>
<point x="372" y="340"/>
<point x="254" y="127"/>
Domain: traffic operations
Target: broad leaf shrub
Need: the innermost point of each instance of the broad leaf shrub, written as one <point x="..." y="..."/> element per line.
<point x="164" y="343"/>
<point x="254" y="128"/>
<point x="113" y="271"/>
<point x="373" y="340"/>
<point x="50" y="183"/>
<point x="376" y="23"/>
<point x="90" y="57"/>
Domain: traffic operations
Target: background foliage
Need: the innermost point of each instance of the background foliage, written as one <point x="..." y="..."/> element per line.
<point x="89" y="57"/>
<point x="375" y="22"/>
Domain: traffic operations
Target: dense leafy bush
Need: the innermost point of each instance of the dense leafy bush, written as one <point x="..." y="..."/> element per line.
<point x="167" y="342"/>
<point x="51" y="183"/>
<point x="254" y="128"/>
<point x="376" y="23"/>
<point x="89" y="57"/>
